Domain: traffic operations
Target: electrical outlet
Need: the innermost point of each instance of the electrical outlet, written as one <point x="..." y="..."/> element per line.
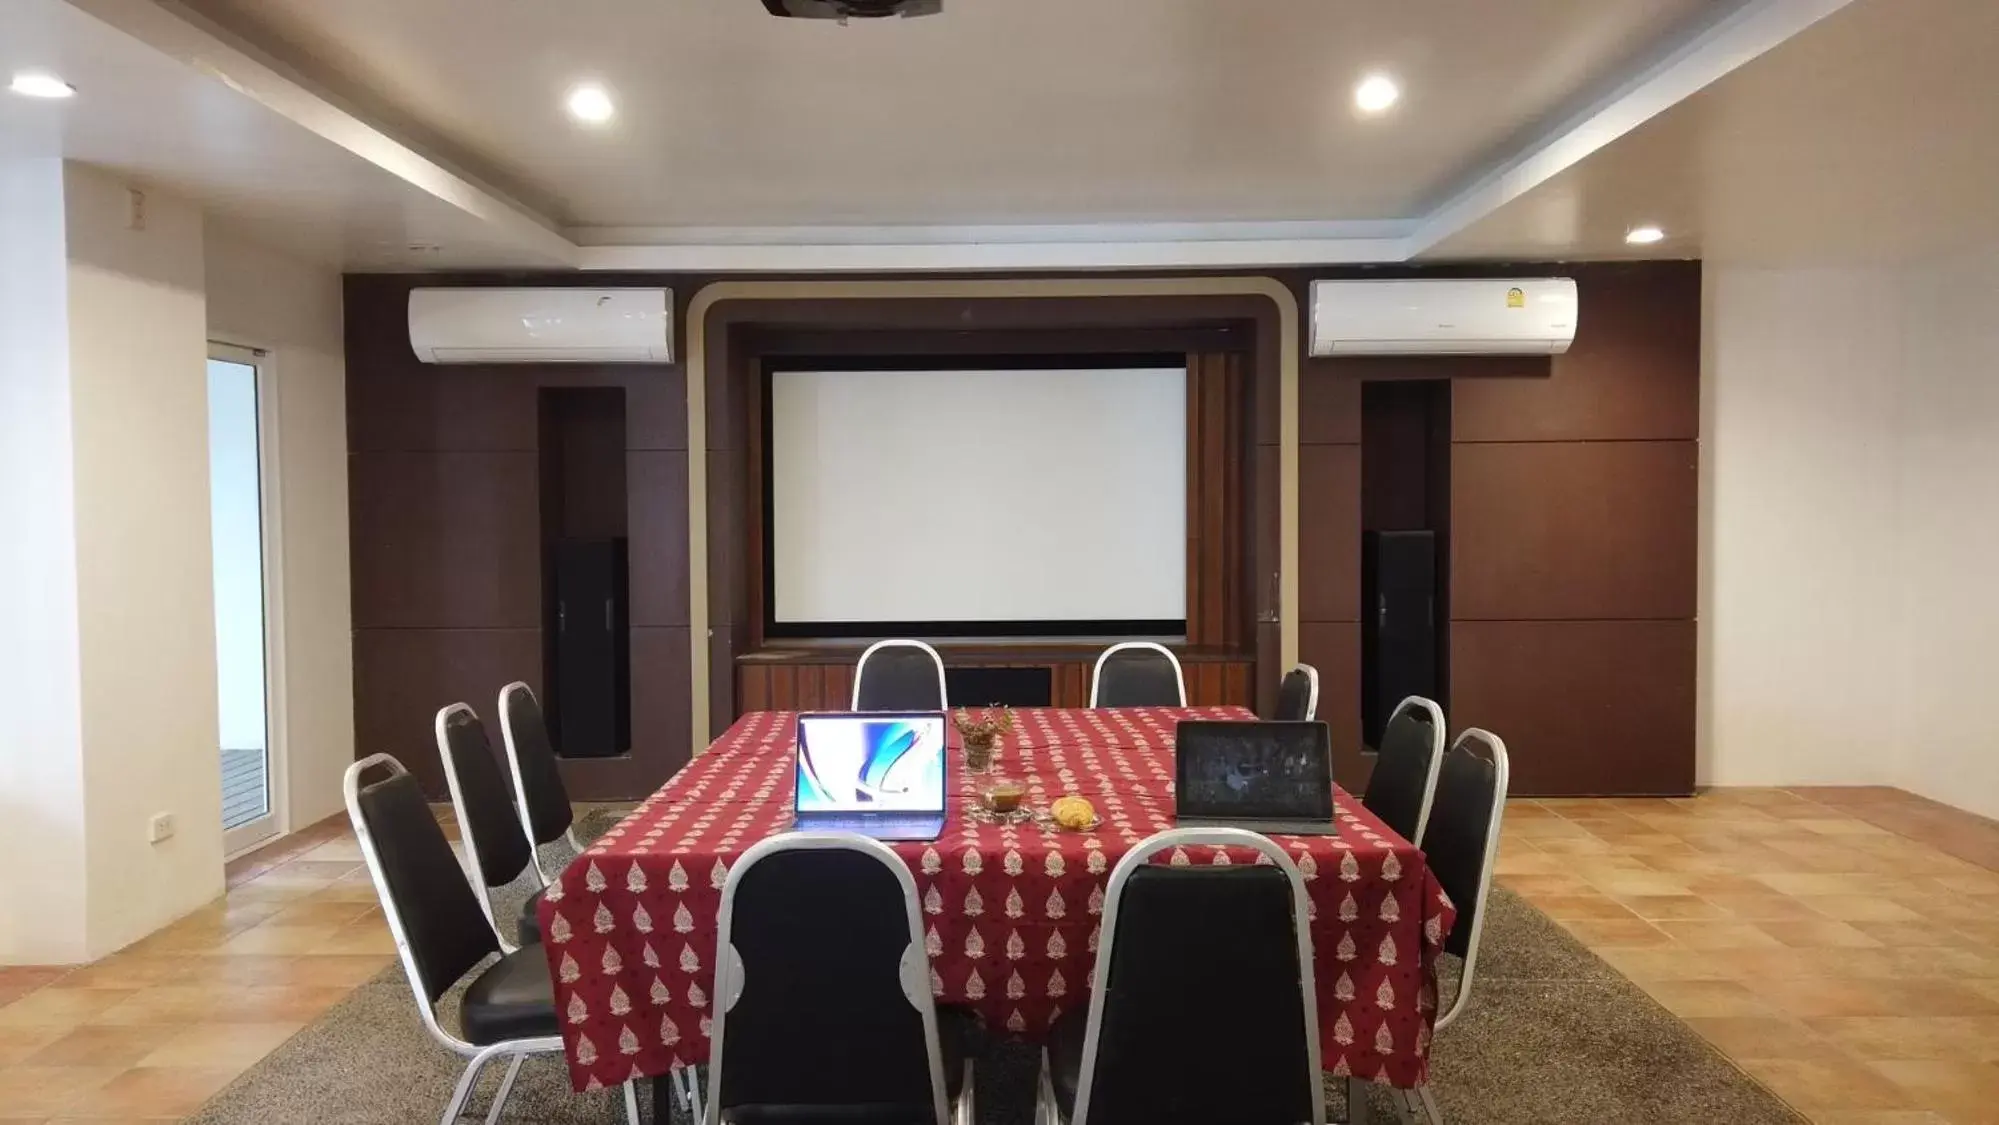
<point x="135" y="209"/>
<point x="161" y="827"/>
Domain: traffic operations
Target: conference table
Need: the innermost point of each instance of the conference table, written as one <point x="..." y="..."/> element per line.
<point x="1011" y="911"/>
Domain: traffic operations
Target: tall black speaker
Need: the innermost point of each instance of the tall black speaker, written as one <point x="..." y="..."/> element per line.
<point x="1398" y="633"/>
<point x="589" y="673"/>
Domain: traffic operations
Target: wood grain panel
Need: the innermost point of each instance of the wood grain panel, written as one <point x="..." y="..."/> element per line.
<point x="657" y="484"/>
<point x="1329" y="533"/>
<point x="1334" y="649"/>
<point x="660" y="682"/>
<point x="1217" y="612"/>
<point x="1071" y="685"/>
<point x="1585" y="707"/>
<point x="1573" y="530"/>
<point x="1632" y="373"/>
<point x="445" y="540"/>
<point x="752" y="688"/>
<point x="1328" y="403"/>
<point x="403" y="676"/>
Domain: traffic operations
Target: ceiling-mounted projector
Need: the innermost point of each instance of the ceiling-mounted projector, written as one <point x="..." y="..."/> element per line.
<point x="852" y="9"/>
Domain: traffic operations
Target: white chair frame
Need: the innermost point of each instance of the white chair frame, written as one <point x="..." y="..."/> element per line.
<point x="516" y="1051"/>
<point x="1409" y="1101"/>
<point x="1311" y="698"/>
<point x="520" y="786"/>
<point x="1097" y="672"/>
<point x="915" y="968"/>
<point x="1437" y="736"/>
<point x="861" y="668"/>
<point x="475" y="871"/>
<point x="1141" y="853"/>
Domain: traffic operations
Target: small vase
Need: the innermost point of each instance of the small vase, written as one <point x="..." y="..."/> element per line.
<point x="979" y="755"/>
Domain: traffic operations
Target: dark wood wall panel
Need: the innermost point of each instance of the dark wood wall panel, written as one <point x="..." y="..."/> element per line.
<point x="1571" y="515"/>
<point x="444" y="473"/>
<point x="1328" y="402"/>
<point x="445" y="539"/>
<point x="1633" y="372"/>
<point x="658" y="537"/>
<point x="1585" y="707"/>
<point x="1574" y="530"/>
<point x="1329" y="533"/>
<point x="1333" y="647"/>
<point x="403" y="676"/>
<point x="1217" y="518"/>
<point x="1575" y="544"/>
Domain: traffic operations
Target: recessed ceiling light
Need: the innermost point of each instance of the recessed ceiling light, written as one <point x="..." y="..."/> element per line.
<point x="1643" y="236"/>
<point x="591" y="104"/>
<point x="1375" y="93"/>
<point x="39" y="84"/>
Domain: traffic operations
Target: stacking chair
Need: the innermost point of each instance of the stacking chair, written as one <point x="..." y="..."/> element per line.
<point x="1137" y="674"/>
<point x="1405" y="774"/>
<point x="496" y="845"/>
<point x="1461" y="843"/>
<point x="508" y="1010"/>
<point x="899" y="676"/>
<point x="538" y="789"/>
<point x="822" y="1002"/>
<point x="1203" y="1008"/>
<point x="1298" y="695"/>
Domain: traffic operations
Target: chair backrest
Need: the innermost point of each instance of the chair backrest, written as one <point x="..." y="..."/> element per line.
<point x="899" y="675"/>
<point x="1462" y="841"/>
<point x="538" y="787"/>
<point x="1298" y="695"/>
<point x="1137" y="674"/>
<point x="1223" y="948"/>
<point x="822" y="987"/>
<point x="496" y="843"/>
<point x="1404" y="781"/>
<point x="439" y="930"/>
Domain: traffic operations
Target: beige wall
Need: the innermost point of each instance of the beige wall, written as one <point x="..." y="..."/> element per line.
<point x="42" y="824"/>
<point x="146" y="629"/>
<point x="262" y="299"/>
<point x="1797" y="639"/>
<point x="1848" y="603"/>
<point x="1948" y="533"/>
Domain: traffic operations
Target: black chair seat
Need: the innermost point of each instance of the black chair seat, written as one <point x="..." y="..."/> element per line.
<point x="527" y="928"/>
<point x="959" y="1034"/>
<point x="512" y="999"/>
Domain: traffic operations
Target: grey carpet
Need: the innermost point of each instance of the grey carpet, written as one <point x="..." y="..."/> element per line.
<point x="1553" y="1036"/>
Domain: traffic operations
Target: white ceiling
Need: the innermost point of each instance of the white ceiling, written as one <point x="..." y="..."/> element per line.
<point x="1033" y="134"/>
<point x="1873" y="135"/>
<point x="168" y="125"/>
<point x="996" y="111"/>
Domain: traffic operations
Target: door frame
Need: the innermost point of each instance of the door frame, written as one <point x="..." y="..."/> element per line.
<point x="276" y="822"/>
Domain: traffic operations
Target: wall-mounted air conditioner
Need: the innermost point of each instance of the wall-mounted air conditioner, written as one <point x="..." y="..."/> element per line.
<point x="542" y="325"/>
<point x="1428" y="316"/>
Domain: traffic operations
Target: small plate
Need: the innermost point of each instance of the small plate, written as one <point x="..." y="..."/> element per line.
<point x="1047" y="819"/>
<point x="985" y="815"/>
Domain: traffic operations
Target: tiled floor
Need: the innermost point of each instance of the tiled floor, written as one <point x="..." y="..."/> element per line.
<point x="1841" y="945"/>
<point x="148" y="1034"/>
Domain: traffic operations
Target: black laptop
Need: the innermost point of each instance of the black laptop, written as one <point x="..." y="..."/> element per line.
<point x="1275" y="778"/>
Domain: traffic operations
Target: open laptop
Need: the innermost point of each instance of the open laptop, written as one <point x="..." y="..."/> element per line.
<point x="878" y="773"/>
<point x="1266" y="777"/>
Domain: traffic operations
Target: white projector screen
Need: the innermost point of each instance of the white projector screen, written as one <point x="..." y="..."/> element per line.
<point x="1023" y="499"/>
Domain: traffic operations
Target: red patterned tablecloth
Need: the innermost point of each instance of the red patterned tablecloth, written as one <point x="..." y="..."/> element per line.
<point x="1012" y="912"/>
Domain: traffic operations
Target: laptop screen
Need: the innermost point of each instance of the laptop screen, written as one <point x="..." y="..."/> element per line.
<point x="874" y="762"/>
<point x="1253" y="771"/>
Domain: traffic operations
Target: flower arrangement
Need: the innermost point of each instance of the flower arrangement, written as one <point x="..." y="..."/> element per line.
<point x="981" y="729"/>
